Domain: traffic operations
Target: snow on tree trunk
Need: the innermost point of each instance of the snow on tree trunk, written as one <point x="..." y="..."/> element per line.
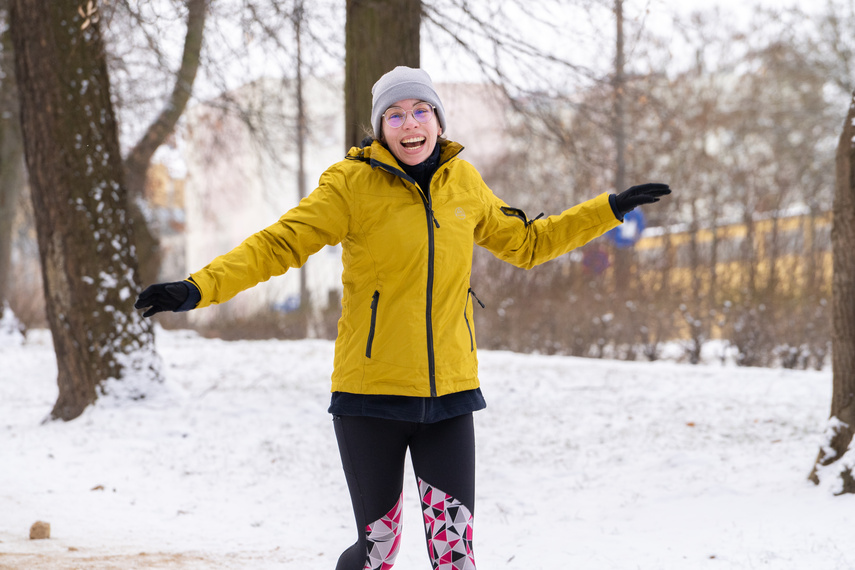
<point x="835" y="464"/>
<point x="71" y="146"/>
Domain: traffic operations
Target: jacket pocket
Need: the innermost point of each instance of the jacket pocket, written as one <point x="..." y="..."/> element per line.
<point x="375" y="300"/>
<point x="471" y="293"/>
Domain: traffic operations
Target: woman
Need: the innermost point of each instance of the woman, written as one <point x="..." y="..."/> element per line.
<point x="406" y="210"/>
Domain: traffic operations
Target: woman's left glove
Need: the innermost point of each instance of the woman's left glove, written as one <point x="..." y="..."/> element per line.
<point x="176" y="297"/>
<point x="627" y="200"/>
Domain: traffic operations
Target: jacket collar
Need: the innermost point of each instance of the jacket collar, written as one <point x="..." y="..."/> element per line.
<point x="377" y="155"/>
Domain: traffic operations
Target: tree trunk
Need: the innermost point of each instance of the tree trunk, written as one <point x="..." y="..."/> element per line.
<point x="146" y="239"/>
<point x="836" y="459"/>
<point x="623" y="257"/>
<point x="11" y="163"/>
<point x="302" y="135"/>
<point x="379" y="35"/>
<point x="79" y="197"/>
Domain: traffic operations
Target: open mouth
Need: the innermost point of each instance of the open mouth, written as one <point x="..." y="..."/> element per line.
<point x="413" y="142"/>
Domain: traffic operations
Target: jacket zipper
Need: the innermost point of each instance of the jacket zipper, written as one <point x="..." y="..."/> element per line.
<point x="468" y="325"/>
<point x="431" y="223"/>
<point x="431" y="220"/>
<point x="375" y="300"/>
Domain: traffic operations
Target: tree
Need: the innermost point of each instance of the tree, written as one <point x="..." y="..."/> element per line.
<point x="11" y="162"/>
<point x="79" y="194"/>
<point x="379" y="35"/>
<point x="139" y="158"/>
<point x="623" y="257"/>
<point x="124" y="21"/>
<point x="836" y="459"/>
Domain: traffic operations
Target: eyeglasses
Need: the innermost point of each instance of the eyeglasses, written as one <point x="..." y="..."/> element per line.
<point x="395" y="117"/>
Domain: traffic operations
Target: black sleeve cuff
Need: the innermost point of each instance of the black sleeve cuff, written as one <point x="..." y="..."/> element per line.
<point x="193" y="297"/>
<point x="613" y="204"/>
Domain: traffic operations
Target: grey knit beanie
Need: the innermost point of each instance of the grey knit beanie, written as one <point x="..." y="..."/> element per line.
<point x="399" y="84"/>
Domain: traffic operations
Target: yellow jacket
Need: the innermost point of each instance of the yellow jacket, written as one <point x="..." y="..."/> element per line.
<point x="406" y="324"/>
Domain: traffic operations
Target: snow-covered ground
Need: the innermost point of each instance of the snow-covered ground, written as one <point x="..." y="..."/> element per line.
<point x="582" y="464"/>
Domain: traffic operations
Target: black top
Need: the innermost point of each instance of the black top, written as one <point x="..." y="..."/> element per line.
<point x="407" y="408"/>
<point x="423" y="171"/>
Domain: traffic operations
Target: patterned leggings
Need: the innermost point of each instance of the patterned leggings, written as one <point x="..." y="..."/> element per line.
<point x="373" y="452"/>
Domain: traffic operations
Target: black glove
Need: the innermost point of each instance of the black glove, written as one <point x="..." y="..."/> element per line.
<point x="624" y="202"/>
<point x="163" y="297"/>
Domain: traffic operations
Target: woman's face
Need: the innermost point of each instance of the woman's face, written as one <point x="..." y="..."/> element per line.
<point x="413" y="142"/>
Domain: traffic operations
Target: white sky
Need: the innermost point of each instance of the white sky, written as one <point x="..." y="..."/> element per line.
<point x="588" y="44"/>
<point x="582" y="38"/>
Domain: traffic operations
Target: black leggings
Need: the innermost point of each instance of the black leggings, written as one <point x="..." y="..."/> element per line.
<point x="443" y="453"/>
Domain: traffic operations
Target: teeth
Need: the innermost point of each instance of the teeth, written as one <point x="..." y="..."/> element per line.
<point x="411" y="140"/>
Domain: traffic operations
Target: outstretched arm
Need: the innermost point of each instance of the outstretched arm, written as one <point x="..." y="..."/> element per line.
<point x="320" y="219"/>
<point x="510" y="236"/>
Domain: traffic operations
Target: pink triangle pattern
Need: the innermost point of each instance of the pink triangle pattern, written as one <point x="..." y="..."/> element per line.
<point x="384" y="539"/>
<point x="448" y="525"/>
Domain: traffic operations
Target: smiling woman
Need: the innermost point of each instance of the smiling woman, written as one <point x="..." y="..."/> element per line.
<point x="407" y="210"/>
<point x="411" y="141"/>
<point x="407" y="114"/>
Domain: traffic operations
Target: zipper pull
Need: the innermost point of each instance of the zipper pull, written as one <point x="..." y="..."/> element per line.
<point x="433" y="217"/>
<point x="531" y="221"/>
<point x="471" y="292"/>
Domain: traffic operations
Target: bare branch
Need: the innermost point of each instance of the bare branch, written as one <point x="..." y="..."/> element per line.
<point x="138" y="159"/>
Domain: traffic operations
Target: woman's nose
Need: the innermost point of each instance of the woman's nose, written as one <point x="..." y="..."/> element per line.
<point x="410" y="116"/>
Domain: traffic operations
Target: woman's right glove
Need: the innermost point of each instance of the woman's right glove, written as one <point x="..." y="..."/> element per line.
<point x="178" y="296"/>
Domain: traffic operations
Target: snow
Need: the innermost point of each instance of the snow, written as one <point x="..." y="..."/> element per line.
<point x="10" y="328"/>
<point x="582" y="463"/>
<point x="832" y="475"/>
